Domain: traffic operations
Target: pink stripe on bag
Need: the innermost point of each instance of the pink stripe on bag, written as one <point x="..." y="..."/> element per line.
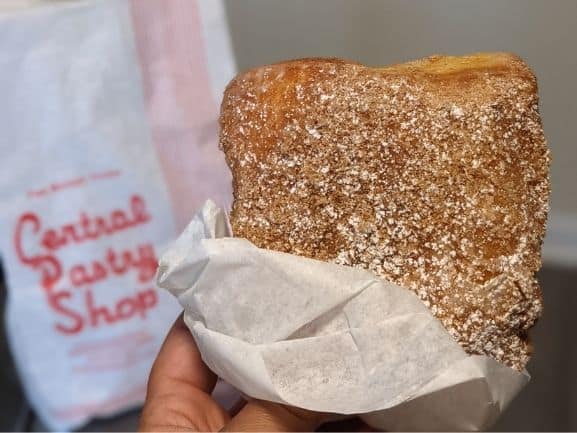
<point x="181" y="108"/>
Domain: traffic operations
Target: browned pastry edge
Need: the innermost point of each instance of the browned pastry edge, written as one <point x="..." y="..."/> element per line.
<point x="433" y="174"/>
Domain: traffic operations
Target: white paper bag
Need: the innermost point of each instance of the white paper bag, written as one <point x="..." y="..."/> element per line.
<point x="326" y="337"/>
<point x="108" y="118"/>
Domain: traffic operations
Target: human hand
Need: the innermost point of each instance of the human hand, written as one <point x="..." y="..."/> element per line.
<point x="178" y="396"/>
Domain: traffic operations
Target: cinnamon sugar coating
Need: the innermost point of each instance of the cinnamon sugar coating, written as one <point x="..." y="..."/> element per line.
<point x="432" y="174"/>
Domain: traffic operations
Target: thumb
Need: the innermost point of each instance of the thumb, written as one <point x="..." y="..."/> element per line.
<point x="259" y="415"/>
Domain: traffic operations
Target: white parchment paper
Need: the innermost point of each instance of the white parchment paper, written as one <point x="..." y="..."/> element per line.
<point x="326" y="337"/>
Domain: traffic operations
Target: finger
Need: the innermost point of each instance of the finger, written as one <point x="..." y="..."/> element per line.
<point x="178" y="395"/>
<point x="258" y="415"/>
<point x="179" y="361"/>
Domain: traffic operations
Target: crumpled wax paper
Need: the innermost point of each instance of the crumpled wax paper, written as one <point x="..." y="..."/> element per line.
<point x="326" y="337"/>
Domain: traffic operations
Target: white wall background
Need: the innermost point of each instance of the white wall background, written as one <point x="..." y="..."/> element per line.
<point x="380" y="32"/>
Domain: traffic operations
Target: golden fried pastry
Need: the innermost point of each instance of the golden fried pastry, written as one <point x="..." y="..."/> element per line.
<point x="432" y="174"/>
